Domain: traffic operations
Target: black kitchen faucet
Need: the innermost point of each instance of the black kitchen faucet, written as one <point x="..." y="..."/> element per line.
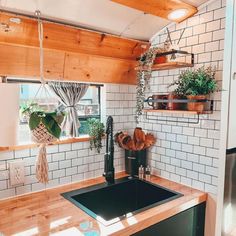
<point x="109" y="169"/>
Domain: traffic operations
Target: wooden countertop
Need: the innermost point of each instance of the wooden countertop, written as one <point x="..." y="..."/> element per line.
<point x="47" y="212"/>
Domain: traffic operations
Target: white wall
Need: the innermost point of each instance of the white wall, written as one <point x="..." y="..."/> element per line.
<point x="189" y="153"/>
<point x="185" y="153"/>
<point x="9" y="118"/>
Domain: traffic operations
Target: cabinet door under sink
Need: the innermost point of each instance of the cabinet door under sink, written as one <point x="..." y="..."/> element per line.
<point x="188" y="223"/>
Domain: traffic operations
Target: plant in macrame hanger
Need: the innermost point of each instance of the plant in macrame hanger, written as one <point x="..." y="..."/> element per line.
<point x="43" y="122"/>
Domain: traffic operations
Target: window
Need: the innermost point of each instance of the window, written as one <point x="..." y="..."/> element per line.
<point x="88" y="107"/>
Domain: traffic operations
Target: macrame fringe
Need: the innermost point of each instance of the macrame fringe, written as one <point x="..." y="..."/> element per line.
<point x="42" y="165"/>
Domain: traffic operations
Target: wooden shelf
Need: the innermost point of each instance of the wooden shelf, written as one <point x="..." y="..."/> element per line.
<point x="168" y="66"/>
<point x="177" y="111"/>
<point x="34" y="145"/>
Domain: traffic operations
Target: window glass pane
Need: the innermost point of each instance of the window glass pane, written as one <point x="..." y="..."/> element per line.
<point x="89" y="106"/>
<point x="35" y="93"/>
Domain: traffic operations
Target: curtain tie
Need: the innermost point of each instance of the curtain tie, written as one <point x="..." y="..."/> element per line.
<point x="71" y="106"/>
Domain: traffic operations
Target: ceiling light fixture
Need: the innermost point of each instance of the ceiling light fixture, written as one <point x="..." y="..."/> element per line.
<point x="177" y="14"/>
<point x="15" y="20"/>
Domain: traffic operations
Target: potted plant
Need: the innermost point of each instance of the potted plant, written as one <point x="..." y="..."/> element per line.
<point x="44" y="126"/>
<point x="135" y="148"/>
<point x="96" y="132"/>
<point x="196" y="85"/>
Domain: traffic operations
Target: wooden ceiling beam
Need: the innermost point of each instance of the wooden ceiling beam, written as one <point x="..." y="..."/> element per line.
<point x="69" y="39"/>
<point x="161" y="8"/>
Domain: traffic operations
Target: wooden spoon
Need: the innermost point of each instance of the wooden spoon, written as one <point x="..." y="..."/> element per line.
<point x="139" y="135"/>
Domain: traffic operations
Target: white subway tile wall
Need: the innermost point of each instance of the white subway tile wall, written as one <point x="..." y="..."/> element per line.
<point x="188" y="153"/>
<point x="73" y="162"/>
<point x="185" y="152"/>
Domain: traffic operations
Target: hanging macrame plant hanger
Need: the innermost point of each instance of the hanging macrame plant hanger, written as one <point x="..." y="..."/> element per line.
<point x="40" y="134"/>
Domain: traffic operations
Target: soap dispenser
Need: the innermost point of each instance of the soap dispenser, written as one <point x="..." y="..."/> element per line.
<point x="141" y="172"/>
<point x="148" y="173"/>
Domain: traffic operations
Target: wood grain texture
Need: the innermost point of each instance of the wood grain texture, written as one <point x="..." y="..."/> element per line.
<point x="168" y="66"/>
<point x="90" y="68"/>
<point x="33" y="145"/>
<point x="70" y="54"/>
<point x="24" y="62"/>
<point x="18" y="61"/>
<point x="161" y="8"/>
<point x="69" y="39"/>
<point x="47" y="212"/>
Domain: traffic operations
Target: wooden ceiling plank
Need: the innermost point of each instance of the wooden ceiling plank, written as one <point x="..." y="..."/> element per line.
<point x="161" y="8"/>
<point x="70" y="39"/>
<point x="23" y="62"/>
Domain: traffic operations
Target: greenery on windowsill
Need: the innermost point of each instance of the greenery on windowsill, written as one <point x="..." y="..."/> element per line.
<point x="96" y="131"/>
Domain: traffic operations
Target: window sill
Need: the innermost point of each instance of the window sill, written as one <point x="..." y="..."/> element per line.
<point x="84" y="138"/>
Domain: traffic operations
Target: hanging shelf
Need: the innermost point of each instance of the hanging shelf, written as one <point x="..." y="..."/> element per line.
<point x="185" y="120"/>
<point x="171" y="64"/>
<point x="190" y="120"/>
<point x="168" y="66"/>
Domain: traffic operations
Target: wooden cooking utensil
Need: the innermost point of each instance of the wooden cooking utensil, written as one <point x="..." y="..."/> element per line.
<point x="131" y="145"/>
<point x="140" y="146"/>
<point x="139" y="135"/>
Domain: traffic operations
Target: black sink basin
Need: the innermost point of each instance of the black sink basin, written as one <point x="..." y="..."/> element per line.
<point x="109" y="203"/>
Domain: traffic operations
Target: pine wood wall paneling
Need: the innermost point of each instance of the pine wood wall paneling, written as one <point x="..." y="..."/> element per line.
<point x="89" y="68"/>
<point x="70" y="39"/>
<point x="24" y="62"/>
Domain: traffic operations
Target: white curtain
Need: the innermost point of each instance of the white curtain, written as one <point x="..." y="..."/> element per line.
<point x="69" y="95"/>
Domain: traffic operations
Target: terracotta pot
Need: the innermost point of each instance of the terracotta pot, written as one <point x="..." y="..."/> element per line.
<point x="197" y="106"/>
<point x="174" y="105"/>
<point x="160" y="60"/>
<point x="157" y="105"/>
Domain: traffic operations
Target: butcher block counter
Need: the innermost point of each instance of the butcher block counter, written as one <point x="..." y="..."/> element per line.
<point x="48" y="213"/>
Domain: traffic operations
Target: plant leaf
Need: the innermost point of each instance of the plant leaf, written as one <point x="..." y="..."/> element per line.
<point x="34" y="120"/>
<point x="51" y="125"/>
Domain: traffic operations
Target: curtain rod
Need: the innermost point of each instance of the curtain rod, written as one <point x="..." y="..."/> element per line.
<point x="28" y="81"/>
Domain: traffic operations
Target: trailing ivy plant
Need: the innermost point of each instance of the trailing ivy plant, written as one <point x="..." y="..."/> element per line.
<point x="96" y="132"/>
<point x="51" y="120"/>
<point x="143" y="76"/>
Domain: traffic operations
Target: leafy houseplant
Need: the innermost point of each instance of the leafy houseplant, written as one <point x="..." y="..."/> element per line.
<point x="37" y="117"/>
<point x="96" y="131"/>
<point x="196" y="85"/>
